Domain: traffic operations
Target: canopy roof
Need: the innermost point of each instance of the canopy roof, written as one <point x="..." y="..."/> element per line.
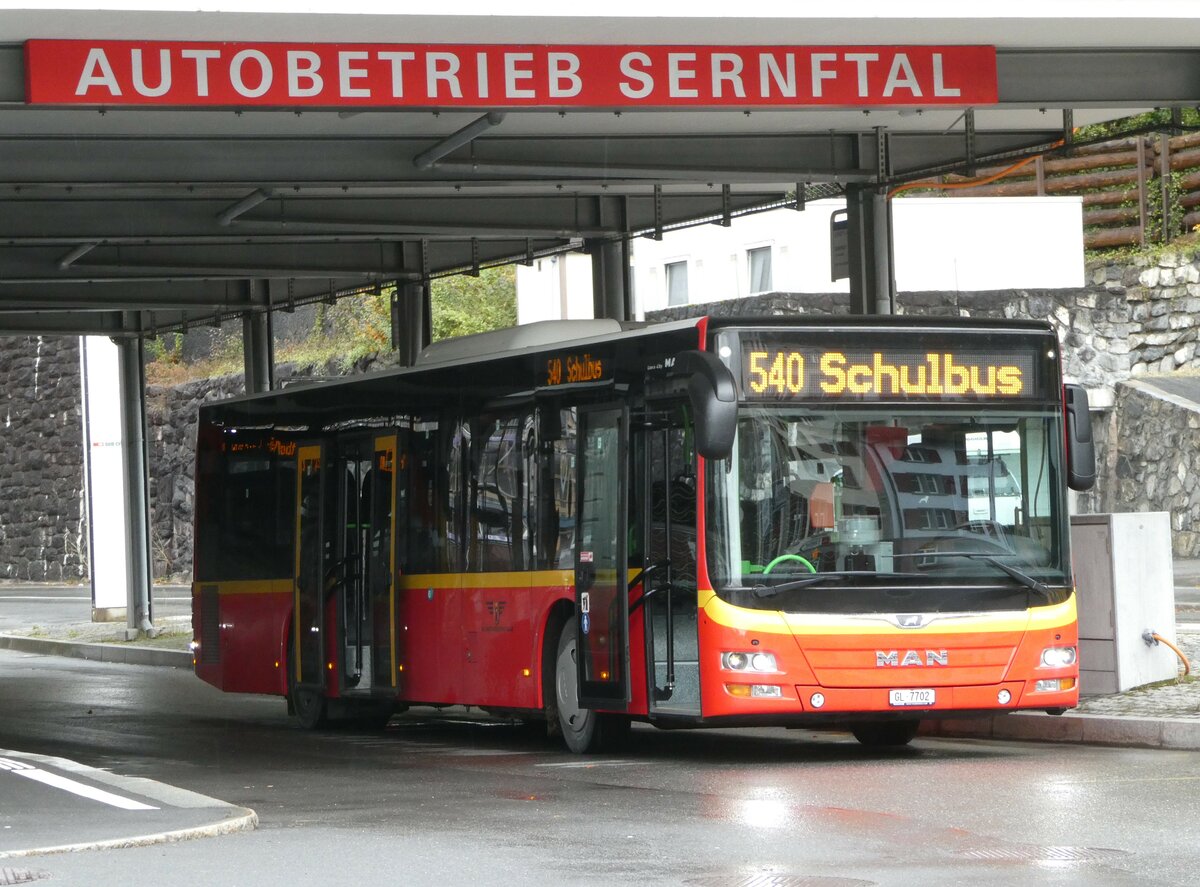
<point x="122" y="219"/>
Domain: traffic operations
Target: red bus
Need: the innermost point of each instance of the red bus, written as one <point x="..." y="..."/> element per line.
<point x="848" y="523"/>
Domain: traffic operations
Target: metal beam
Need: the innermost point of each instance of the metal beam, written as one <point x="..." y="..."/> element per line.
<point x="130" y="358"/>
<point x="410" y="321"/>
<point x="456" y="140"/>
<point x="1108" y="78"/>
<point x="610" y="297"/>
<point x="257" y="345"/>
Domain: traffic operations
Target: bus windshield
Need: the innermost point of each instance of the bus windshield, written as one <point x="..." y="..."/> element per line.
<point x="860" y="508"/>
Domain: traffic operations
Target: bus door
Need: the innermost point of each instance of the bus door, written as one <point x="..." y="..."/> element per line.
<point x="601" y="591"/>
<point x="664" y="516"/>
<point x="364" y="497"/>
<point x="308" y="625"/>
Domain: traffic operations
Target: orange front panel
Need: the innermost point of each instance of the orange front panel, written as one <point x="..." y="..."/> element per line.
<point x="877" y="661"/>
<point x="966" y="659"/>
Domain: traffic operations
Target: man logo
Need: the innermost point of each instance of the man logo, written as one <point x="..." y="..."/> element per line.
<point x="891" y="658"/>
<point x="910" y="620"/>
<point x="496" y="608"/>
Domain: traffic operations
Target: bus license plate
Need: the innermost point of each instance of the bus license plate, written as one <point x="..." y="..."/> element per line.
<point x="911" y="697"/>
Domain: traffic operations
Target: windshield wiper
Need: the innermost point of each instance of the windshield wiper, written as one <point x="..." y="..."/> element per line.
<point x="1021" y="576"/>
<point x="763" y="591"/>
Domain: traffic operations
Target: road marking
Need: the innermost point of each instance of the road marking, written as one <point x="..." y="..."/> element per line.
<point x="70" y="785"/>
<point x="584" y="765"/>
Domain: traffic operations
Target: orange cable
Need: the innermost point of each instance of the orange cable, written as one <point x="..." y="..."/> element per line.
<point x="974" y="183"/>
<point x="1187" y="666"/>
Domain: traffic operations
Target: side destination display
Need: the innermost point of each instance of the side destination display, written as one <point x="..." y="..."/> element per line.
<point x="773" y="370"/>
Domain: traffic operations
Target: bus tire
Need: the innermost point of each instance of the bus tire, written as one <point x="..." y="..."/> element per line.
<point x="584" y="731"/>
<point x="885" y="734"/>
<point x="308" y="704"/>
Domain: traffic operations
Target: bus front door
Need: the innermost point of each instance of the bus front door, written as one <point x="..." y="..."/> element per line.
<point x="665" y="505"/>
<point x="601" y="594"/>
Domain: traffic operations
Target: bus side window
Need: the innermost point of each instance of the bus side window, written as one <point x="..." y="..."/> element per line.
<point x="499" y="515"/>
<point x="429" y="514"/>
<point x="556" y="499"/>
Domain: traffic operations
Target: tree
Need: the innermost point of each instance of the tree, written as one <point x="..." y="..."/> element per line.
<point x="463" y="304"/>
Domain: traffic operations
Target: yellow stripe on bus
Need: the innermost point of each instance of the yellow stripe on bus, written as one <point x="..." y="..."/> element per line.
<point x="248" y="586"/>
<point x="515" y="579"/>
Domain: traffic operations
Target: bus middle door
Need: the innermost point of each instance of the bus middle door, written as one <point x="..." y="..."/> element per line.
<point x="364" y="496"/>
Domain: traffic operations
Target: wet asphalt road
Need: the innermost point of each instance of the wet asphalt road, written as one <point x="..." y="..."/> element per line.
<point x="472" y="801"/>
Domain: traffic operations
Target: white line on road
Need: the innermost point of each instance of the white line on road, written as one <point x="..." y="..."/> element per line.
<point x="586" y="765"/>
<point x="77" y="788"/>
<point x="37" y="599"/>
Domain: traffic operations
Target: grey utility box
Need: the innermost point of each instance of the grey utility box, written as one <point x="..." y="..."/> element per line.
<point x="1125" y="583"/>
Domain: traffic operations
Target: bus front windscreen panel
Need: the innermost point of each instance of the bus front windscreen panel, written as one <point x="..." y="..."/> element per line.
<point x="899" y="510"/>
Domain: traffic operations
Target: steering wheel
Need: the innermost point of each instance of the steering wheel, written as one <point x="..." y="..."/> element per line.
<point x="788" y="557"/>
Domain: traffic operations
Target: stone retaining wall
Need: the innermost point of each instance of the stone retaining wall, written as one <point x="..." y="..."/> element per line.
<point x="43" y="526"/>
<point x="1155" y="463"/>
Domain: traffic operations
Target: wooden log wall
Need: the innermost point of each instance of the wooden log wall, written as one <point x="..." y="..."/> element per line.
<point x="1127" y="185"/>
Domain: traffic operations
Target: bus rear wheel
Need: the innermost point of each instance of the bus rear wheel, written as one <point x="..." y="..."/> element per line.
<point x="584" y="731"/>
<point x="885" y="734"/>
<point x="308" y="704"/>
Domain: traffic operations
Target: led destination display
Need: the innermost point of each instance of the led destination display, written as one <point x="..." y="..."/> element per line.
<point x="772" y="372"/>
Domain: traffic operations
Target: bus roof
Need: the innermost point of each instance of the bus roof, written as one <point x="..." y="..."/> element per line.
<point x="449" y="370"/>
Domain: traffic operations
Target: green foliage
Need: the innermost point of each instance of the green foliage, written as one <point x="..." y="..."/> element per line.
<point x="463" y="305"/>
<point x="354" y="328"/>
<point x="1158" y="118"/>
<point x="1158" y="228"/>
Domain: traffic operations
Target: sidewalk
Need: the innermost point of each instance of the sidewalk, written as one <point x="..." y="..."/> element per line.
<point x="105" y="642"/>
<point x="1166" y="715"/>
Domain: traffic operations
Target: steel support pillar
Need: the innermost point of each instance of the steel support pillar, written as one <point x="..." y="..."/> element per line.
<point x="258" y="340"/>
<point x="131" y="365"/>
<point x="611" y="284"/>
<point x="872" y="283"/>
<point x="411" y="322"/>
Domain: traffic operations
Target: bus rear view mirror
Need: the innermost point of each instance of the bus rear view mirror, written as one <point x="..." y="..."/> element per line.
<point x="713" y="395"/>
<point x="1081" y="448"/>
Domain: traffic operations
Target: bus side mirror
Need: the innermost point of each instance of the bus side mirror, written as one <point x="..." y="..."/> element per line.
<point x="1081" y="449"/>
<point x="713" y="395"/>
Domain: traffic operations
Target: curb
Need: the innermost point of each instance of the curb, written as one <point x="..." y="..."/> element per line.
<point x="1182" y="734"/>
<point x="129" y="655"/>
<point x="243" y="820"/>
<point x="232" y="818"/>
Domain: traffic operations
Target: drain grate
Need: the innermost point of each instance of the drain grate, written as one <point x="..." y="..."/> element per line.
<point x="1043" y="854"/>
<point x="21" y="876"/>
<point x="776" y="879"/>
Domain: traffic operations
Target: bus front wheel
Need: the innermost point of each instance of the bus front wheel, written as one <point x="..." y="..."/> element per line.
<point x="883" y="734"/>
<point x="583" y="730"/>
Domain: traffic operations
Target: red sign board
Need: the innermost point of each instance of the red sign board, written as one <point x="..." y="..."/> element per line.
<point x="126" y="72"/>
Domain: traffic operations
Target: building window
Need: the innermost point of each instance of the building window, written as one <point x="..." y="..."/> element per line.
<point x="677" y="283"/>
<point x="760" y="269"/>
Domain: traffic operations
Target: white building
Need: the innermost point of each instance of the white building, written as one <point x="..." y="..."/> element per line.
<point x="954" y="244"/>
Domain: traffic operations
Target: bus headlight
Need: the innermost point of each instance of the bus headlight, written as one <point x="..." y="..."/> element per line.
<point x="760" y="663"/>
<point x="1058" y="657"/>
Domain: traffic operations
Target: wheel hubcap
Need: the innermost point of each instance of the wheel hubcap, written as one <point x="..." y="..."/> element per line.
<point x="566" y="682"/>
